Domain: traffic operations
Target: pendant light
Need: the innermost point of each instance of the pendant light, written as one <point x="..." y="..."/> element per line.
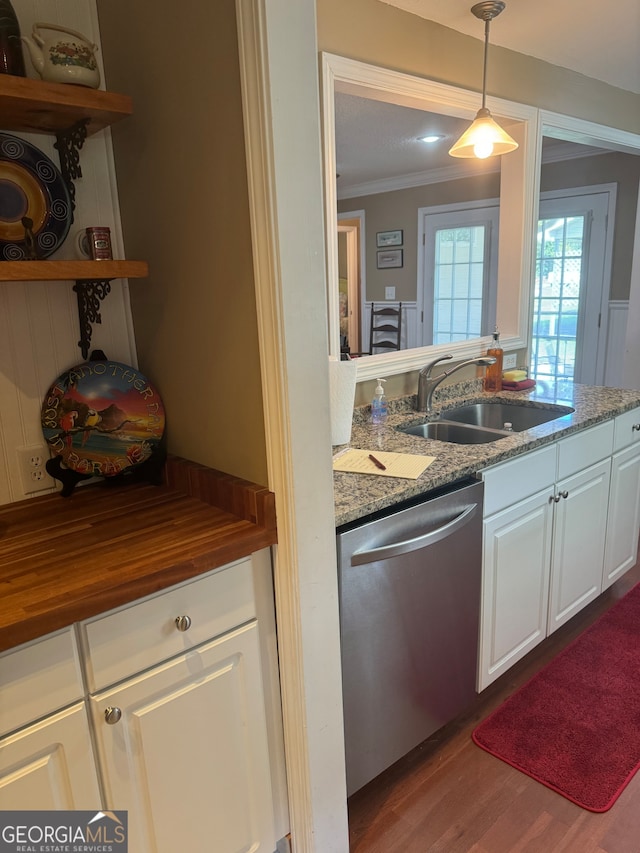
<point x="484" y="137"/>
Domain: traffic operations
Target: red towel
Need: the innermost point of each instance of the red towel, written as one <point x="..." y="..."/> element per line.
<point x="518" y="386"/>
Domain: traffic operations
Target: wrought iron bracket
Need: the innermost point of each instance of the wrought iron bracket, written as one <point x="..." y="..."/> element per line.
<point x="90" y="293"/>
<point x="69" y="142"/>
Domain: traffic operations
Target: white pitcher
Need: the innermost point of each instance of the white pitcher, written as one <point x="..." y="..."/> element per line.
<point x="63" y="60"/>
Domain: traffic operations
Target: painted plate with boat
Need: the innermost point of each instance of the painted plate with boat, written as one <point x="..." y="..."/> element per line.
<point x="102" y="417"/>
<point x="31" y="186"/>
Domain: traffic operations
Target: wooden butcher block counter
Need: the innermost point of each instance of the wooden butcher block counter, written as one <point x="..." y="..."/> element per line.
<point x="66" y="559"/>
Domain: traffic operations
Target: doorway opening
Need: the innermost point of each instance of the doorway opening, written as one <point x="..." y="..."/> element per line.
<point x="351" y="280"/>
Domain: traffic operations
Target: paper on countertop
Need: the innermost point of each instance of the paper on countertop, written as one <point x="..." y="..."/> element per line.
<point x="406" y="465"/>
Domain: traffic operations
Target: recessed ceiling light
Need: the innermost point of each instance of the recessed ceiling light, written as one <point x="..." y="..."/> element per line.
<point x="431" y="138"/>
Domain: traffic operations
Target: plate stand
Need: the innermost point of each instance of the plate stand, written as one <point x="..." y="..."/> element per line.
<point x="150" y="471"/>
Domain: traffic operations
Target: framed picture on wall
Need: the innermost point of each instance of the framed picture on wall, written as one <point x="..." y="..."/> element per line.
<point x="388" y="238"/>
<point x="389" y="259"/>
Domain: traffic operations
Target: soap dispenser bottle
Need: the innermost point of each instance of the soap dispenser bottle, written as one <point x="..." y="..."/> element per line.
<point x="379" y="408"/>
<point x="493" y="373"/>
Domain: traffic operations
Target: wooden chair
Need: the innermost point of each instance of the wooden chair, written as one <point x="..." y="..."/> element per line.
<point x="386" y="327"/>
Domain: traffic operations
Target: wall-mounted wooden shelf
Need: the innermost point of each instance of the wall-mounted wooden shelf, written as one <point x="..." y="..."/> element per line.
<point x="71" y="113"/>
<point x="71" y="270"/>
<point x="33" y="106"/>
<point x="92" y="284"/>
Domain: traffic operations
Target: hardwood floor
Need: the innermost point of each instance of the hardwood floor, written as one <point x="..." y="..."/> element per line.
<point x="449" y="796"/>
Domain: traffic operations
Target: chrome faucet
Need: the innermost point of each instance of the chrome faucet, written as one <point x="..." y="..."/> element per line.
<point x="427" y="384"/>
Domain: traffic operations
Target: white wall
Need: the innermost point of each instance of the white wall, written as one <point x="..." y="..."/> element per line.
<point x="38" y="320"/>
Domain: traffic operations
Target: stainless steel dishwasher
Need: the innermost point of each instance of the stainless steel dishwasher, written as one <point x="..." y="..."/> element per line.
<point x="409" y="615"/>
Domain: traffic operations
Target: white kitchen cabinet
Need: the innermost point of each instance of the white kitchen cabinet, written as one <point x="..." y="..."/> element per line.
<point x="49" y="765"/>
<point x="180" y="722"/>
<point x="194" y="751"/>
<point x="38" y="678"/>
<point x="186" y="751"/>
<point x="515" y="588"/>
<point x="624" y="499"/>
<point x="516" y="560"/>
<point x="544" y="539"/>
<point x="145" y="632"/>
<point x="46" y="756"/>
<point x="580" y="521"/>
<point x="579" y="530"/>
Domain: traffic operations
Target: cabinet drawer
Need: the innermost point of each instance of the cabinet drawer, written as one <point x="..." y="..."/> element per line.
<point x="510" y="482"/>
<point x="38" y="678"/>
<point x="584" y="449"/>
<point x="137" y="636"/>
<point x="624" y="432"/>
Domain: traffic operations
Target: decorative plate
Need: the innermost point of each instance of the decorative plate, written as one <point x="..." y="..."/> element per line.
<point x="31" y="186"/>
<point x="102" y="417"/>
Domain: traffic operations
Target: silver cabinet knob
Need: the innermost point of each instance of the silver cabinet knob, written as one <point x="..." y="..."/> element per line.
<point x="183" y="623"/>
<point x="564" y="494"/>
<point x="635" y="428"/>
<point x="112" y="715"/>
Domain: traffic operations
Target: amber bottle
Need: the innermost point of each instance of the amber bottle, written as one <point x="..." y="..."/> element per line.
<point x="11" y="58"/>
<point x="493" y="373"/>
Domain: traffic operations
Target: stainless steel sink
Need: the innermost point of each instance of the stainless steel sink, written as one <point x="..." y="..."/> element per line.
<point x="495" y="415"/>
<point x="479" y="423"/>
<point x="457" y="433"/>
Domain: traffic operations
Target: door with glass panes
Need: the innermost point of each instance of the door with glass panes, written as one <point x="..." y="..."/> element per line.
<point x="571" y="284"/>
<point x="457" y="289"/>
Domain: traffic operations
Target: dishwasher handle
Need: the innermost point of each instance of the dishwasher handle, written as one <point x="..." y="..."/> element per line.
<point x="396" y="549"/>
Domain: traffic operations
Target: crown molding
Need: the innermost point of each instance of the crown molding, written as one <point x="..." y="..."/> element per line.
<point x="455" y="172"/>
<point x="416" y="179"/>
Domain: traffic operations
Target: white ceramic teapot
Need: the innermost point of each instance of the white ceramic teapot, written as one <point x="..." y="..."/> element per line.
<point x="68" y="59"/>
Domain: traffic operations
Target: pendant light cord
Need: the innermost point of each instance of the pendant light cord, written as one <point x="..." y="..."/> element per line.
<point x="484" y="70"/>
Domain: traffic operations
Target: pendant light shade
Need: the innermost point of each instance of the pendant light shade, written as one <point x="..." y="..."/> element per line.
<point x="484" y="138"/>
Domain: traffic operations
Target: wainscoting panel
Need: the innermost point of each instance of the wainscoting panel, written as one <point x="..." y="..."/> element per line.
<point x="616" y="332"/>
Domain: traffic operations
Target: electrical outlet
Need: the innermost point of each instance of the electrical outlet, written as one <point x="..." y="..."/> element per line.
<point x="390" y="293"/>
<point x="509" y="361"/>
<point x="32" y="469"/>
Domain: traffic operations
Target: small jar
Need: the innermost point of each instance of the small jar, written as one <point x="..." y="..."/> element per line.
<point x="99" y="243"/>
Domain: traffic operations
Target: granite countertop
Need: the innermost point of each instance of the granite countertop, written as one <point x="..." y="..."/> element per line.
<point x="359" y="495"/>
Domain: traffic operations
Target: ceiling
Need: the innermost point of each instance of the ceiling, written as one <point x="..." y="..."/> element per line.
<point x="596" y="39"/>
<point x="379" y="141"/>
<point x="379" y="147"/>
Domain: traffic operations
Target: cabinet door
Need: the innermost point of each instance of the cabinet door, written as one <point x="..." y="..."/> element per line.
<point x="624" y="515"/>
<point x="188" y="757"/>
<point x="517" y="553"/>
<point x="49" y="765"/>
<point x="579" y="530"/>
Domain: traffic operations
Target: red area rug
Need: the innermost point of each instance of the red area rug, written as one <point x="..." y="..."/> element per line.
<point x="575" y="726"/>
